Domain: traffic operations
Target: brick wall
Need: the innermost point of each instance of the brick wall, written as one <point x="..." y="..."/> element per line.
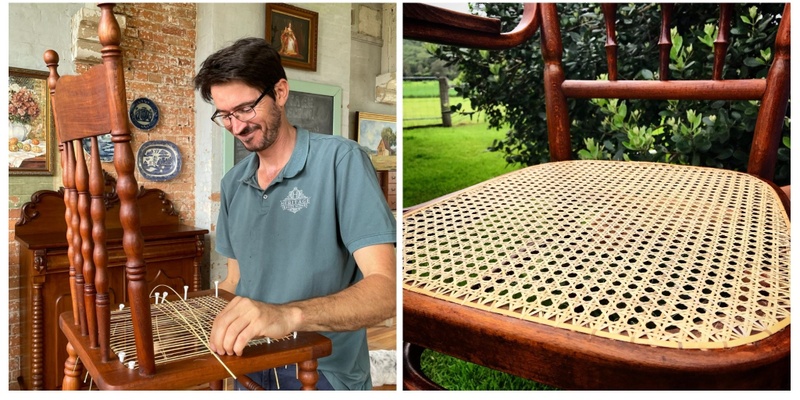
<point x="158" y="46"/>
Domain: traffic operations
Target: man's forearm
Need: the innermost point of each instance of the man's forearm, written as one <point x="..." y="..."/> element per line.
<point x="364" y="304"/>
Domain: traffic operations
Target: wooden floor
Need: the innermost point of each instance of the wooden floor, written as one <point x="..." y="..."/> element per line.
<point x="383" y="337"/>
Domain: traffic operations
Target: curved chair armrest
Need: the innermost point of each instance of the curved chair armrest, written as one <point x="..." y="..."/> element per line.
<point x="438" y="25"/>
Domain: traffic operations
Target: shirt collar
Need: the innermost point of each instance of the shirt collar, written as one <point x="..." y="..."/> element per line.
<point x="296" y="162"/>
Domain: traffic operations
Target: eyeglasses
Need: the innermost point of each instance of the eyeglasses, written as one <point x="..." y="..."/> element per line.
<point x="243" y="114"/>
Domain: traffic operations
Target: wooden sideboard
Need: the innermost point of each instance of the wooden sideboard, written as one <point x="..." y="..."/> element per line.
<point x="173" y="253"/>
<point x="387" y="179"/>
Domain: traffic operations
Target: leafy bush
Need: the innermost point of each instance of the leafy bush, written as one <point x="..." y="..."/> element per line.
<point x="507" y="85"/>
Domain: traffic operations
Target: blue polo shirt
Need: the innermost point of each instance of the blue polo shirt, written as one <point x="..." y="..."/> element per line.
<point x="295" y="240"/>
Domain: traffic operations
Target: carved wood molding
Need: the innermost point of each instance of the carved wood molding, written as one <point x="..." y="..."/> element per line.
<point x="168" y="209"/>
<point x="29" y="212"/>
<point x="40" y="261"/>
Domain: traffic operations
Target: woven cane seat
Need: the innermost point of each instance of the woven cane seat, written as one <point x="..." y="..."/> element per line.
<point x="676" y="256"/>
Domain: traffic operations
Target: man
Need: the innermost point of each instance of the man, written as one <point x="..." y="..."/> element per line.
<point x="303" y="222"/>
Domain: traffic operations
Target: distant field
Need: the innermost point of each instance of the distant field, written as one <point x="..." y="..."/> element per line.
<point x="412" y="89"/>
<point x="420" y="111"/>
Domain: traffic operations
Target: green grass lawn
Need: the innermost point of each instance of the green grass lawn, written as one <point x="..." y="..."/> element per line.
<point x="454" y="374"/>
<point x="438" y="160"/>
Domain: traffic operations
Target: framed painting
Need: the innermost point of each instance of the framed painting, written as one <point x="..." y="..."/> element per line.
<point x="293" y="32"/>
<point x="31" y="129"/>
<point x="377" y="135"/>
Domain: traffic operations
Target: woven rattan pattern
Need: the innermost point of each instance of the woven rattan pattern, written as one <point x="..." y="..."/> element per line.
<point x="673" y="256"/>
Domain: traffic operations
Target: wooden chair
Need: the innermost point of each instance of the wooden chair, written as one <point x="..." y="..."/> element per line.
<point x="87" y="106"/>
<point x="606" y="274"/>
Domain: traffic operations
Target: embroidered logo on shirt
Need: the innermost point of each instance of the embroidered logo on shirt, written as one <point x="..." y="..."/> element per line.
<point x="295" y="201"/>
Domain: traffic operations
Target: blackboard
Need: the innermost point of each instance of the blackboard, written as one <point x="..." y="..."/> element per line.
<point x="305" y="110"/>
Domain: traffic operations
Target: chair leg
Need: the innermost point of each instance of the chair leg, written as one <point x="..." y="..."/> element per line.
<point x="72" y="370"/>
<point x="216" y="385"/>
<point x="413" y="377"/>
<point x="307" y="374"/>
<point x="248" y="383"/>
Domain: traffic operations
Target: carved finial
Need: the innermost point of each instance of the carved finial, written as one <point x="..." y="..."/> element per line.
<point x="108" y="28"/>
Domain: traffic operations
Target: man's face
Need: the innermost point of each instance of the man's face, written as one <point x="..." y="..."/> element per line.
<point x="258" y="133"/>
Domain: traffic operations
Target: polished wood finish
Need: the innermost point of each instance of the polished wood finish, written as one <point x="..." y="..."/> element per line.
<point x="567" y="359"/>
<point x="305" y="350"/>
<point x="574" y="360"/>
<point x="675" y="90"/>
<point x="665" y="41"/>
<point x="766" y="137"/>
<point x="387" y="180"/>
<point x="173" y="253"/>
<point x="438" y="25"/>
<point x="609" y="13"/>
<point x="723" y="40"/>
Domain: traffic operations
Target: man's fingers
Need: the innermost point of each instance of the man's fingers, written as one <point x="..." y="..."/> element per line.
<point x="219" y="329"/>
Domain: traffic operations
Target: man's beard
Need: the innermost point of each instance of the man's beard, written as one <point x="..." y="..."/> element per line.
<point x="267" y="137"/>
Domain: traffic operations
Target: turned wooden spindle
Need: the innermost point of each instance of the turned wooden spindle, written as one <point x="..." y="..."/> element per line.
<point x="609" y="15"/>
<point x="307" y="374"/>
<point x="766" y="137"/>
<point x="665" y="41"/>
<point x="723" y="39"/>
<point x="87" y="244"/>
<point x="556" y="102"/>
<point x="100" y="254"/>
<point x="127" y="188"/>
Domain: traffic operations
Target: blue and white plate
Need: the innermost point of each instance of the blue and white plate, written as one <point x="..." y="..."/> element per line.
<point x="144" y="113"/>
<point x="106" y="148"/>
<point x="159" y="160"/>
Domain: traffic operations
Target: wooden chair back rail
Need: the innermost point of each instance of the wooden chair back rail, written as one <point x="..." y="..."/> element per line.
<point x="83" y="95"/>
<point x="87" y="106"/>
<point x="434" y="24"/>
<point x="772" y="92"/>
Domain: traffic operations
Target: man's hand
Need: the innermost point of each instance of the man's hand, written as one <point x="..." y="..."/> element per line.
<point x="244" y="319"/>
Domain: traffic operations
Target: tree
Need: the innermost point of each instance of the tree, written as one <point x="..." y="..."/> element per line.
<point x="507" y="86"/>
<point x="389" y="137"/>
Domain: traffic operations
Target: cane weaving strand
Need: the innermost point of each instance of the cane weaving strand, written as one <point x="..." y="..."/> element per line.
<point x="180" y="329"/>
<point x="676" y="256"/>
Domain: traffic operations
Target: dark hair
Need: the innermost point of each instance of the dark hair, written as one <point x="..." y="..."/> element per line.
<point x="249" y="60"/>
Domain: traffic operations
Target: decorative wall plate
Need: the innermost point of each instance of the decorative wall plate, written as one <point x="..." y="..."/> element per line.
<point x="159" y="160"/>
<point x="106" y="147"/>
<point x="144" y="113"/>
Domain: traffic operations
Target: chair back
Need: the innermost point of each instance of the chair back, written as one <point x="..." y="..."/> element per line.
<point x="88" y="106"/>
<point x="437" y="25"/>
<point x="772" y="92"/>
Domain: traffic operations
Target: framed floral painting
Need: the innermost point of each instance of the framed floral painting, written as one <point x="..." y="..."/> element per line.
<point x="31" y="130"/>
<point x="292" y="31"/>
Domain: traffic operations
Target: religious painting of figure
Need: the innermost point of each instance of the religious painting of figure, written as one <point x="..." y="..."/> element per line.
<point x="293" y="32"/>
